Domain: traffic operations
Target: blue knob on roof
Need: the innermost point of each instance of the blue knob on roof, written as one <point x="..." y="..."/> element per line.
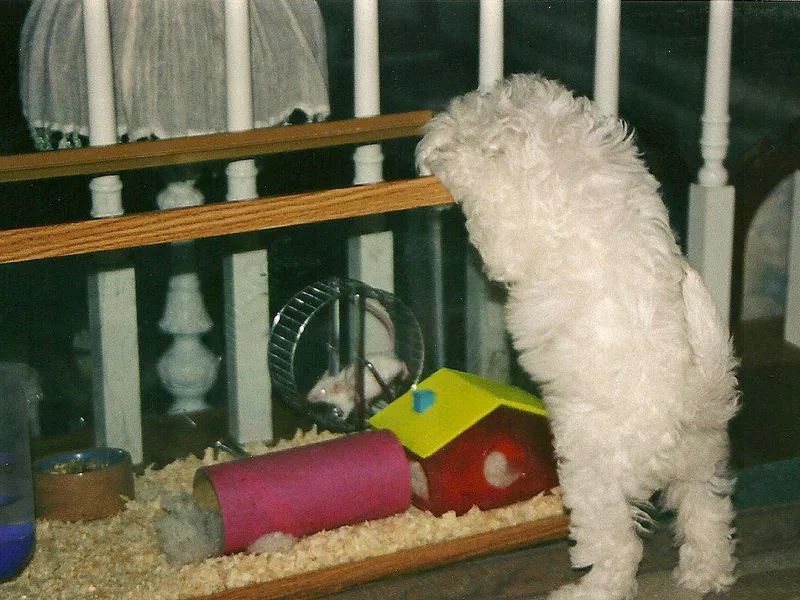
<point x="422" y="400"/>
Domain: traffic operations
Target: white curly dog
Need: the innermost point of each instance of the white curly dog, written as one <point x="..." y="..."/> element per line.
<point x="607" y="316"/>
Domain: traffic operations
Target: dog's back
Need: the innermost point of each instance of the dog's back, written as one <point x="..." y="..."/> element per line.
<point x="635" y="366"/>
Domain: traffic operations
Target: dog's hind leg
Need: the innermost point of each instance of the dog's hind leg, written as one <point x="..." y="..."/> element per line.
<point x="603" y="527"/>
<point x="703" y="519"/>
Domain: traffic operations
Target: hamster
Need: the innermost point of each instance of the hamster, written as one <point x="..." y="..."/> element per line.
<point x="340" y="390"/>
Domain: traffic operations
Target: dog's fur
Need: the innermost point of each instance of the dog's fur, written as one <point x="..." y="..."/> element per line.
<point x="607" y="316"/>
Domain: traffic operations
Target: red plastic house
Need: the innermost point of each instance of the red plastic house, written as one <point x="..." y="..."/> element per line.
<point x="472" y="442"/>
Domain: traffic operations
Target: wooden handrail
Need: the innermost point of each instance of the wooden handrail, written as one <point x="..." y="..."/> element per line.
<point x="96" y="160"/>
<point x="210" y="220"/>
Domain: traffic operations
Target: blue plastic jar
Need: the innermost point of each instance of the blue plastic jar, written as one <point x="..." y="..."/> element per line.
<point x="17" y="526"/>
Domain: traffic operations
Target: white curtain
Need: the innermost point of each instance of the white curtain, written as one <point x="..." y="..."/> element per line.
<point x="169" y="66"/>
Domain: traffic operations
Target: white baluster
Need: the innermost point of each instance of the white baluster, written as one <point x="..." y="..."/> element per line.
<point x="112" y="288"/>
<point x="187" y="369"/>
<point x="711" y="201"/>
<point x="715" y="119"/>
<point x="490" y="34"/>
<point x="106" y="193"/>
<point x="606" y="57"/>
<point x="370" y="256"/>
<point x="99" y="73"/>
<point x="487" y="348"/>
<point x="245" y="271"/>
<point x="366" y="72"/>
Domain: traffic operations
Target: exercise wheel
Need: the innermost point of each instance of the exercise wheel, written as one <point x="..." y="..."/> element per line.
<point x="340" y="350"/>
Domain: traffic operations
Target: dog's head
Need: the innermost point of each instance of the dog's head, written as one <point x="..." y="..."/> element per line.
<point x="518" y="159"/>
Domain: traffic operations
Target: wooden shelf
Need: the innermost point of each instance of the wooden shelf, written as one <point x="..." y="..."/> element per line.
<point x="328" y="581"/>
<point x="210" y="220"/>
<point x="96" y="160"/>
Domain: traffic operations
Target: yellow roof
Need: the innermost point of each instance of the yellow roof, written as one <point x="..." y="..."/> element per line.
<point x="462" y="399"/>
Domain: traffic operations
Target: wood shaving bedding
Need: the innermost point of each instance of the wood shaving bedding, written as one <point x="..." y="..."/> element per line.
<point x="120" y="558"/>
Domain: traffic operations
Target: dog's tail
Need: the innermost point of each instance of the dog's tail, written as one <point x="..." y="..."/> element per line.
<point x="712" y="347"/>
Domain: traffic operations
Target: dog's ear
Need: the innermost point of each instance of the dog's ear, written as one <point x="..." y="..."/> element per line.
<point x="455" y="154"/>
<point x="436" y="147"/>
<point x="422" y="156"/>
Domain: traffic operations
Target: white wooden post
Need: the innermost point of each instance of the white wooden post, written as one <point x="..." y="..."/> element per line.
<point x="435" y="354"/>
<point x="490" y="34"/>
<point x="112" y="289"/>
<point x="792" y="325"/>
<point x="487" y="348"/>
<point x="606" y="57"/>
<point x="370" y="257"/>
<point x="245" y="271"/>
<point x="711" y="200"/>
<point x="366" y="72"/>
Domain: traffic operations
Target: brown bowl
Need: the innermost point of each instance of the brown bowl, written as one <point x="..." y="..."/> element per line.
<point x="82" y="486"/>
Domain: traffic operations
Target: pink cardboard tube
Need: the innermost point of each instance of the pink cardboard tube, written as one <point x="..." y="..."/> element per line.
<point x="304" y="490"/>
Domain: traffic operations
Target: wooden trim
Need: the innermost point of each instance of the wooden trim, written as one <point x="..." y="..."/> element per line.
<point x="329" y="581"/>
<point x="212" y="220"/>
<point x="96" y="160"/>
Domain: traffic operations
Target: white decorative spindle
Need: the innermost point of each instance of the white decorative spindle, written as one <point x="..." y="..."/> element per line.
<point x="238" y="78"/>
<point x="99" y="74"/>
<point x="436" y="357"/>
<point x="606" y="58"/>
<point x="367" y="98"/>
<point x="714" y="140"/>
<point x="187" y="369"/>
<point x="711" y="201"/>
<point x="245" y="271"/>
<point x="490" y="33"/>
<point x="487" y="349"/>
<point x="111" y="289"/>
<point x="370" y="257"/>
